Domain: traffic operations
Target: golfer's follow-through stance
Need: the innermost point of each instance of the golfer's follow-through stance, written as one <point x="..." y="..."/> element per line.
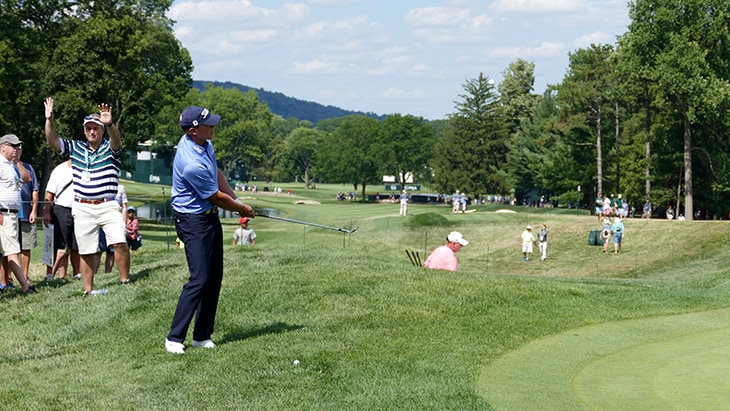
<point x="198" y="189"/>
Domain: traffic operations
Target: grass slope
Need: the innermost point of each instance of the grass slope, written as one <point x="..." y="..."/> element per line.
<point x="370" y="330"/>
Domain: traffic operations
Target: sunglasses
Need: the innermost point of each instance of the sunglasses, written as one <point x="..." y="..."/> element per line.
<point x="92" y="117"/>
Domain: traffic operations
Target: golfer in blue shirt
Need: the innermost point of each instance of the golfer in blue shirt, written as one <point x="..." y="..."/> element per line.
<point x="198" y="189"/>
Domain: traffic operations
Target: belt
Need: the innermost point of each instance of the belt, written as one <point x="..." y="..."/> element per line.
<point x="213" y="210"/>
<point x="97" y="201"/>
<point x="7" y="210"/>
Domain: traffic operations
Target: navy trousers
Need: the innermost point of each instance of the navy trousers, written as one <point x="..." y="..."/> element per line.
<point x="202" y="235"/>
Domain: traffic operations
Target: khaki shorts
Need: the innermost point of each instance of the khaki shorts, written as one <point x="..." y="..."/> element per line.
<point x="88" y="218"/>
<point x="28" y="236"/>
<point x="9" y="234"/>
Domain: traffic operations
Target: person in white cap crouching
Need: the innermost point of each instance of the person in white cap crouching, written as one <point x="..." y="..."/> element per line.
<point x="444" y="257"/>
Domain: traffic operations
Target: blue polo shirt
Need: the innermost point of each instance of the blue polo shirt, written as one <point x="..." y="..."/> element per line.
<point x="194" y="177"/>
<point x="26" y="193"/>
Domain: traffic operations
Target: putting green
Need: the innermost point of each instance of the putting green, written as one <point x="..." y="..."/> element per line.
<point x="664" y="363"/>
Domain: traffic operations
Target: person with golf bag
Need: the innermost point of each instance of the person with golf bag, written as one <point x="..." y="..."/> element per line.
<point x="198" y="189"/>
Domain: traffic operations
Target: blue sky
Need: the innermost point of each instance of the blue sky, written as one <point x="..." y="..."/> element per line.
<point x="398" y="56"/>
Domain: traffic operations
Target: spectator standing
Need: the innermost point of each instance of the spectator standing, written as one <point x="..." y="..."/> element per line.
<point x="12" y="175"/>
<point x="606" y="233"/>
<point x="618" y="234"/>
<point x="28" y="214"/>
<point x="403" y="203"/>
<point x="198" y="189"/>
<point x="244" y="235"/>
<point x="444" y="257"/>
<point x="104" y="248"/>
<point x="647" y="209"/>
<point x="455" y="202"/>
<point x="59" y="201"/>
<point x="542" y="236"/>
<point x="122" y="199"/>
<point x="134" y="239"/>
<point x="527" y="239"/>
<point x="96" y="163"/>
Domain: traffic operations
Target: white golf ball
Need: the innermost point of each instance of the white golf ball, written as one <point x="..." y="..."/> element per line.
<point x="296" y="362"/>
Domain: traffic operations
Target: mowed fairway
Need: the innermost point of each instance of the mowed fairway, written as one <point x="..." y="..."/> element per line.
<point x="666" y="363"/>
<point x="644" y="329"/>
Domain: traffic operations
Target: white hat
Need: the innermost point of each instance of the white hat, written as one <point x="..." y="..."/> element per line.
<point x="456" y="237"/>
<point x="529" y="227"/>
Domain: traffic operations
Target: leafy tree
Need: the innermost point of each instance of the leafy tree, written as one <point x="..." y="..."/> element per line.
<point x="516" y="93"/>
<point x="351" y="153"/>
<point x="271" y="165"/>
<point x="472" y="156"/>
<point x="583" y="97"/>
<point x="120" y="52"/>
<point x="240" y="136"/>
<point x="406" y="146"/>
<point x="682" y="46"/>
<point x="301" y="153"/>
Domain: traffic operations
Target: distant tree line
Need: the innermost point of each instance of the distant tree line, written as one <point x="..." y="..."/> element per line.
<point x="646" y="117"/>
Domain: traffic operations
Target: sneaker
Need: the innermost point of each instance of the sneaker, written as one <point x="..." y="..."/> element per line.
<point x="10" y="285"/>
<point x="175" y="347"/>
<point x="30" y="290"/>
<point x="204" y="344"/>
<point x="77" y="276"/>
<point x="49" y="277"/>
<point x="125" y="282"/>
<point x="103" y="291"/>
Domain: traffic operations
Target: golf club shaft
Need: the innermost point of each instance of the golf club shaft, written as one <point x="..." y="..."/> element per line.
<point x="306" y="223"/>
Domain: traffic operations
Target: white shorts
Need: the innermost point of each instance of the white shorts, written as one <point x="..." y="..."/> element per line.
<point x="9" y="234"/>
<point x="88" y="218"/>
<point x="526" y="247"/>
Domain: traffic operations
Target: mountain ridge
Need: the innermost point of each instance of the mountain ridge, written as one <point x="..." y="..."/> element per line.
<point x="289" y="107"/>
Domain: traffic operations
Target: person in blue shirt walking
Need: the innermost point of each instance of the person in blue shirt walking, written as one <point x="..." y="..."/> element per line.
<point x="198" y="189"/>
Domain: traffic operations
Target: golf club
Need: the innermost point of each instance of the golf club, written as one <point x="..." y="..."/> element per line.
<point x="343" y="230"/>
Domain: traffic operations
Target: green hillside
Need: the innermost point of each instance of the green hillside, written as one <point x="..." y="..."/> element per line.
<point x="370" y="331"/>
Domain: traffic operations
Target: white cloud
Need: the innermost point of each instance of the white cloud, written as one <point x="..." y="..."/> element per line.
<point x="537" y="6"/>
<point x="597" y="37"/>
<point x="544" y="49"/>
<point x="228" y="13"/>
<point x="397" y="93"/>
<point x="436" y="16"/>
<point x="253" y="36"/>
<point x="357" y="55"/>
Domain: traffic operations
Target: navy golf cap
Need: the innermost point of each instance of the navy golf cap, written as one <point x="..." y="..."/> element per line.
<point x="194" y="116"/>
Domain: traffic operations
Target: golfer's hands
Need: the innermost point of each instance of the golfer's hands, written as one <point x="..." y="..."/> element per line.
<point x="246" y="211"/>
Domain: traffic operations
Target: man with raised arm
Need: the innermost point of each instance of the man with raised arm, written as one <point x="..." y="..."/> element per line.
<point x="96" y="163"/>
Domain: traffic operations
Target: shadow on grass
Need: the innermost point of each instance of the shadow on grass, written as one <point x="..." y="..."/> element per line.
<point x="246" y="333"/>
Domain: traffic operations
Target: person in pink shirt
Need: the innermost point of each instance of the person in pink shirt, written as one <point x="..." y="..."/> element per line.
<point x="444" y="257"/>
<point x="134" y="239"/>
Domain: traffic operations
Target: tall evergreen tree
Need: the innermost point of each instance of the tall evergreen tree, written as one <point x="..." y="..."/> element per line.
<point x="472" y="156"/>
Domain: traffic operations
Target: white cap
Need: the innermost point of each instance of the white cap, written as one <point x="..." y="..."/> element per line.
<point x="456" y="237"/>
<point x="529" y="227"/>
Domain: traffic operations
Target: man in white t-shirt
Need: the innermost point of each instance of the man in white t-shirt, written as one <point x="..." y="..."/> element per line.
<point x="57" y="211"/>
<point x="12" y="175"/>
<point x="244" y="235"/>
